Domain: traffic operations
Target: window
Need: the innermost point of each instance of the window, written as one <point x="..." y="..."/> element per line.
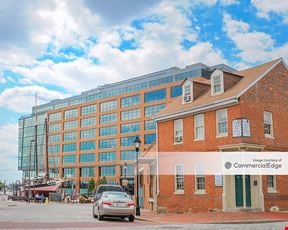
<point x="149" y="138"/>
<point x="153" y="109"/>
<point x="217" y="82"/>
<point x="84" y="187"/>
<point x="130" y="114"/>
<point x="268" y="124"/>
<point x="187" y="91"/>
<point x="108" y="118"/>
<point x="88" y="133"/>
<point x="127" y="141"/>
<point x="70" y="125"/>
<point x="54" y="128"/>
<point x="130" y="101"/>
<point x="69" y="159"/>
<point x="107" y="171"/>
<point x="86" y="110"/>
<point x="108" y="106"/>
<point x="178" y="131"/>
<point x="88" y="157"/>
<point x="71" y="136"/>
<point x="69" y="172"/>
<point x="54" y="138"/>
<point x="127" y="155"/>
<point x="53" y="149"/>
<point x="199" y="127"/>
<point x="108" y="131"/>
<point x="156" y="95"/>
<point x="176" y="91"/>
<point x="179" y="178"/>
<point x="69" y="147"/>
<point x="107" y="156"/>
<point x="55" y="116"/>
<point x="150" y="125"/>
<point x="87" y="172"/>
<point x="107" y="144"/>
<point x="53" y="161"/>
<point x="71" y="113"/>
<point x="87" y="145"/>
<point x="91" y="121"/>
<point x="199" y="179"/>
<point x="130" y="128"/>
<point x="222" y="123"/>
<point x="271" y="183"/>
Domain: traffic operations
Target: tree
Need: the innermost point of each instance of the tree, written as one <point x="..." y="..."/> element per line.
<point x="91" y="185"/>
<point x="1" y="185"/>
<point x="102" y="180"/>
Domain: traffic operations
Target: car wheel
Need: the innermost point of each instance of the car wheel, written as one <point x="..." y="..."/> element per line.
<point x="95" y="216"/>
<point x="131" y="218"/>
<point x="99" y="216"/>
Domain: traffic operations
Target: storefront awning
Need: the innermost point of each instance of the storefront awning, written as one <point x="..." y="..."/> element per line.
<point x="50" y="188"/>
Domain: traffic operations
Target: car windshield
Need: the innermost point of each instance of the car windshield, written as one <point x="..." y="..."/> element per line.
<point x="116" y="195"/>
<point x="109" y="188"/>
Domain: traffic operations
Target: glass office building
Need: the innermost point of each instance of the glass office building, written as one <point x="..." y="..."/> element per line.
<point x="91" y="135"/>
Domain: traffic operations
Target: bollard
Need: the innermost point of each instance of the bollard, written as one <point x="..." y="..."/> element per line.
<point x="46" y="200"/>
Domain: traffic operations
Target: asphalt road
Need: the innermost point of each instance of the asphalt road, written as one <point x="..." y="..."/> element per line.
<point x="17" y="215"/>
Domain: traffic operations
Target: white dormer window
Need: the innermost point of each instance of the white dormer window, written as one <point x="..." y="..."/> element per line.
<point x="187" y="92"/>
<point x="217" y="82"/>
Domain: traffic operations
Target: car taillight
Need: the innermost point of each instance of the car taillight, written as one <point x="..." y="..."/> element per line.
<point x="107" y="202"/>
<point x="131" y="204"/>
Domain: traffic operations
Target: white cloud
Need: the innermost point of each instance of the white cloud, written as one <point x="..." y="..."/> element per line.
<point x="158" y="47"/>
<point x="228" y="2"/>
<point x="254" y="46"/>
<point x="266" y="7"/>
<point x="8" y="153"/>
<point x="22" y="99"/>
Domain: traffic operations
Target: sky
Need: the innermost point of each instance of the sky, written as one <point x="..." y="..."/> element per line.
<point x="59" y="48"/>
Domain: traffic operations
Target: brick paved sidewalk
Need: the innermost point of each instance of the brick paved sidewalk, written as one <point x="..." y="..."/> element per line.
<point x="215" y="217"/>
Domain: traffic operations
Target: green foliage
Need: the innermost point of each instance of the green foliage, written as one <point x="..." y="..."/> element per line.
<point x="102" y="180"/>
<point x="1" y="185"/>
<point x="91" y="185"/>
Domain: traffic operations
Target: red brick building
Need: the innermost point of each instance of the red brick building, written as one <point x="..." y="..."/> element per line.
<point x="201" y="120"/>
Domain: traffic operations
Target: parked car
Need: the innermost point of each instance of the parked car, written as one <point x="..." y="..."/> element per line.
<point x="114" y="204"/>
<point x="106" y="188"/>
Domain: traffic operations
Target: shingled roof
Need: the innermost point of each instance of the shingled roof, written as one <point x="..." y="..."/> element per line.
<point x="207" y="101"/>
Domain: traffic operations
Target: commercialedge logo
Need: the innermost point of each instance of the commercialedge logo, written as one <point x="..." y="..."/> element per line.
<point x="256" y="165"/>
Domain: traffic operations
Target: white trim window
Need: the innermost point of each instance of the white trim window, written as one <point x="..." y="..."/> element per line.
<point x="199" y="179"/>
<point x="178" y="131"/>
<point x="268" y="124"/>
<point x="222" y="123"/>
<point x="271" y="184"/>
<point x="217" y="82"/>
<point x="199" y="127"/>
<point x="187" y="92"/>
<point x="179" y="178"/>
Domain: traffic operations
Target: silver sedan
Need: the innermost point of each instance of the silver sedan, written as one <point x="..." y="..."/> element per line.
<point x="114" y="204"/>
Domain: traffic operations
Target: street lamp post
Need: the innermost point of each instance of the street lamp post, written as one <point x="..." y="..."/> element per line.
<point x="137" y="143"/>
<point x="125" y="170"/>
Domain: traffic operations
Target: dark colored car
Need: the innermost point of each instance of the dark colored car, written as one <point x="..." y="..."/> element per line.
<point x="106" y="188"/>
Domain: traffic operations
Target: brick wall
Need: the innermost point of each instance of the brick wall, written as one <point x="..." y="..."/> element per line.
<point x="269" y="94"/>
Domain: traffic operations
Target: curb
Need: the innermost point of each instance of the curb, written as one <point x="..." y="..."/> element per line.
<point x="263" y="221"/>
<point x="220" y="222"/>
<point x="149" y="220"/>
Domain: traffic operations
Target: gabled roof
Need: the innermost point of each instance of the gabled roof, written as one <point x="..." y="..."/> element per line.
<point x="230" y="96"/>
<point x="201" y="80"/>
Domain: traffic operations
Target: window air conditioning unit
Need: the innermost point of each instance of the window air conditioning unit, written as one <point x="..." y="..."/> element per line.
<point x="187" y="98"/>
<point x="178" y="139"/>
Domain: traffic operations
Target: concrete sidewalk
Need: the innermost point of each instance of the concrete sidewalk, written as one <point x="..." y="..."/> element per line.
<point x="215" y="217"/>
